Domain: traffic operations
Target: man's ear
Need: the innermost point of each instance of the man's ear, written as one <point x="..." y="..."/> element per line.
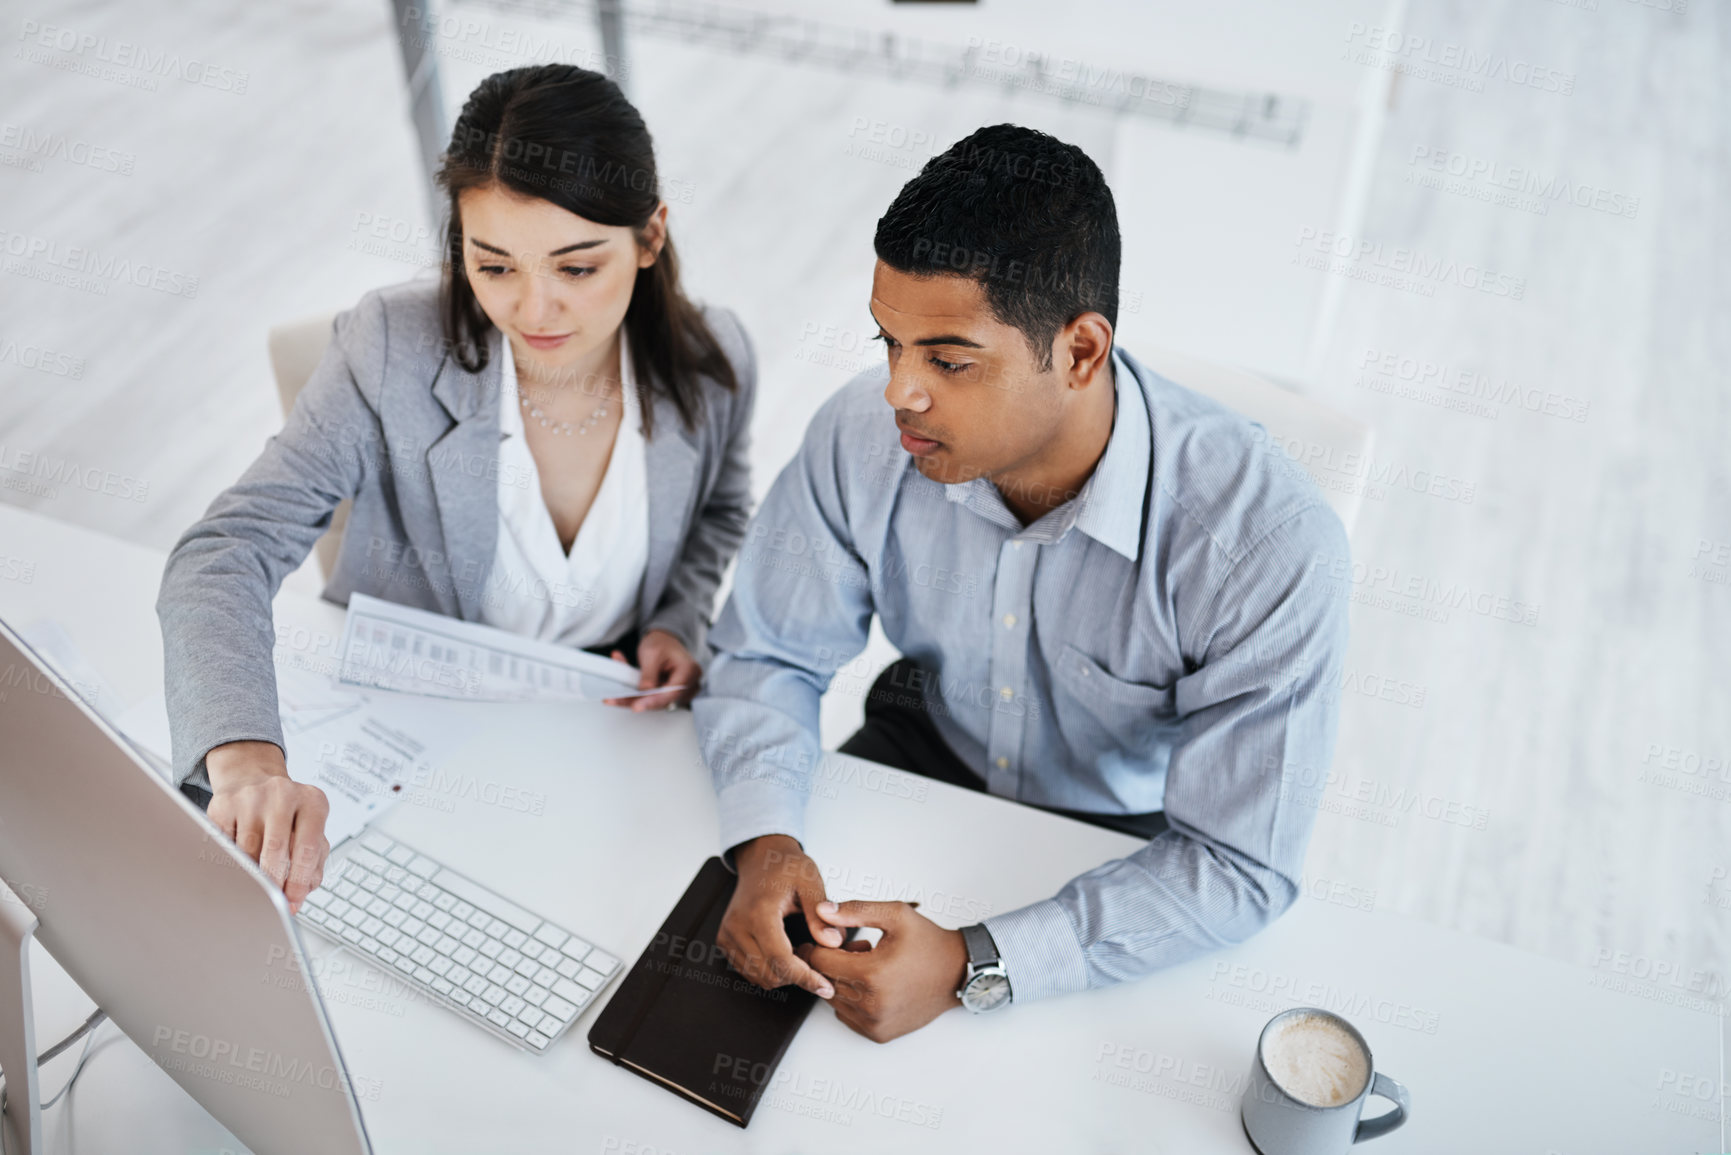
<point x="1085" y="345"/>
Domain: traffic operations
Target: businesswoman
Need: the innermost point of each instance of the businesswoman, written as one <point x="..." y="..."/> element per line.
<point x="551" y="438"/>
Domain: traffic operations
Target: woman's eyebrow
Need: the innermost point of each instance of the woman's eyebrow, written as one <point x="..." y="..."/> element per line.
<point x="480" y="244"/>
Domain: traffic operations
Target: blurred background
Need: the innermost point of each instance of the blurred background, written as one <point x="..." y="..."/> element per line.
<point x="1494" y="233"/>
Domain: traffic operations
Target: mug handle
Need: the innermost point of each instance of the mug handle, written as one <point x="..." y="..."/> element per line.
<point x="1388" y="1121"/>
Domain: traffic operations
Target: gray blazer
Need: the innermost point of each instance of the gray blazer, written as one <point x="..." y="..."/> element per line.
<point x="390" y="420"/>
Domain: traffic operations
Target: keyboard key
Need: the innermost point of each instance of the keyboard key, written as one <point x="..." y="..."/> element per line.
<point x="517" y="1029"/>
<point x="442" y="986"/>
<point x="516" y="984"/>
<point x="538" y="1040"/>
<point x="474" y="937"/>
<point x="315" y="914"/>
<point x="513" y="938"/>
<point x="601" y="961"/>
<point x="405" y="965"/>
<point x="576" y="948"/>
<point x="423" y="955"/>
<point x="590" y="978"/>
<point x="422" y="909"/>
<point x="395" y="875"/>
<point x="447" y="945"/>
<point x="371" y="881"/>
<point x="461" y="998"/>
<point x="532" y="949"/>
<point x="535" y="996"/>
<point x="568" y="968"/>
<point x="369" y="944"/>
<point x="423" y="975"/>
<point x="571" y="991"/>
<point x="464" y="954"/>
<point x="427" y="892"/>
<point x="412" y="926"/>
<point x="390" y="935"/>
<point x="394" y="917"/>
<point x="527" y="967"/>
<point x="500" y="973"/>
<point x="338" y="907"/>
<point x="559" y="1008"/>
<point x="476" y="985"/>
<point x="423" y="866"/>
<point x="497" y="927"/>
<point x="373" y="840"/>
<point x="509" y="958"/>
<point x="320" y="897"/>
<point x="548" y="1023"/>
<point x="399" y="855"/>
<point x="462" y="910"/>
<point x="491" y="947"/>
<point x="495" y="994"/>
<point x="546" y="975"/>
<point x="480" y="896"/>
<point x="511" y="1004"/>
<point x="346" y="889"/>
<point x="458" y="974"/>
<point x="354" y="916"/>
<point x="388" y="955"/>
<point x="439" y="919"/>
<point x="499" y="1017"/>
<point x="404" y="900"/>
<point x="478" y="919"/>
<point x="372" y="926"/>
<point x="551" y="935"/>
<point x="428" y="935"/>
<point x="378" y="907"/>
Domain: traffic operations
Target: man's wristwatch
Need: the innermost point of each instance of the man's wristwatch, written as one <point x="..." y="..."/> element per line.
<point x="987" y="986"/>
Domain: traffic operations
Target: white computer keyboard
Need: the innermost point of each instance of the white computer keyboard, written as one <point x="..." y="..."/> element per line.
<point x="512" y="972"/>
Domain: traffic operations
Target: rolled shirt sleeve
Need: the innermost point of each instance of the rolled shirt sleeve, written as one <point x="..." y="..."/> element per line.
<point x="1262" y="701"/>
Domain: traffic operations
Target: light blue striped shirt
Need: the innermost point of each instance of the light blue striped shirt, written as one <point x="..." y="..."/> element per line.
<point x="1170" y="637"/>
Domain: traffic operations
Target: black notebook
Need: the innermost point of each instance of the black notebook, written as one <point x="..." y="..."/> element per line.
<point x="687" y="1020"/>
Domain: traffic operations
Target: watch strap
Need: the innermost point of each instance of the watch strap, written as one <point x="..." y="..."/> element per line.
<point x="982" y="951"/>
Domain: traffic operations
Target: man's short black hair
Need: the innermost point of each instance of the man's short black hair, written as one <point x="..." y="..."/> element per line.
<point x="1024" y="214"/>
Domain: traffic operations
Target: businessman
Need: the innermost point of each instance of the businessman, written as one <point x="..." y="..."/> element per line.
<point x="1112" y="602"/>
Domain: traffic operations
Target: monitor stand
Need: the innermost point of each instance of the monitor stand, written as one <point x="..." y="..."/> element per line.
<point x="18" y="925"/>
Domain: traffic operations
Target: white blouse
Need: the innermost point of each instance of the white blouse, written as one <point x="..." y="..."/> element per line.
<point x="535" y="589"/>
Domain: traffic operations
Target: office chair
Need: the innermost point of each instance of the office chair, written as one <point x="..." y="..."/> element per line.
<point x="1313" y="432"/>
<point x="295" y="349"/>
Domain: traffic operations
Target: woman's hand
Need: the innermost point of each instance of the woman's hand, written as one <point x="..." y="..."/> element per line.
<point x="664" y="662"/>
<point x="277" y="822"/>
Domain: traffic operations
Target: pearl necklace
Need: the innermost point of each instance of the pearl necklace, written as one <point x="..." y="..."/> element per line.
<point x="564" y="427"/>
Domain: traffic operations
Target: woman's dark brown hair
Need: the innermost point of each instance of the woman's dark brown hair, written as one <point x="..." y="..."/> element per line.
<point x="568" y="136"/>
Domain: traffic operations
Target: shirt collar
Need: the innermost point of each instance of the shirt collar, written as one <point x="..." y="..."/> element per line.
<point x="1111" y="500"/>
<point x="1109" y="506"/>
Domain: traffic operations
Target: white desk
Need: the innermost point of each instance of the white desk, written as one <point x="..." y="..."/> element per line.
<point x="1503" y="1051"/>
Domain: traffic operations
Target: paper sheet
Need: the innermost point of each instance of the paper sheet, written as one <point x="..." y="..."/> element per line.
<point x="398" y="648"/>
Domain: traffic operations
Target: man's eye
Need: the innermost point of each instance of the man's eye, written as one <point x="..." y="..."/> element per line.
<point x="947" y="366"/>
<point x="491" y="270"/>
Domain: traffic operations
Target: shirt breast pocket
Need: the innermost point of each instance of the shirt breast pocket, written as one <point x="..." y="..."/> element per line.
<point x="1099" y="711"/>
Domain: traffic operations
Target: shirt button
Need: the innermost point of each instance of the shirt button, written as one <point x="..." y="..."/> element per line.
<point x="1006" y="693"/>
<point x="1009" y="621"/>
<point x="1003" y="763"/>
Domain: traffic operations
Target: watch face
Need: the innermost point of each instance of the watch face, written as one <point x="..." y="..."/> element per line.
<point x="987" y="991"/>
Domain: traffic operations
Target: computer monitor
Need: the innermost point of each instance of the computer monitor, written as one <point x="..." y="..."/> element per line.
<point x="175" y="933"/>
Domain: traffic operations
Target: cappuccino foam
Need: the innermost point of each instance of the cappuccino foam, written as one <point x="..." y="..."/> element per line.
<point x="1316" y="1061"/>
